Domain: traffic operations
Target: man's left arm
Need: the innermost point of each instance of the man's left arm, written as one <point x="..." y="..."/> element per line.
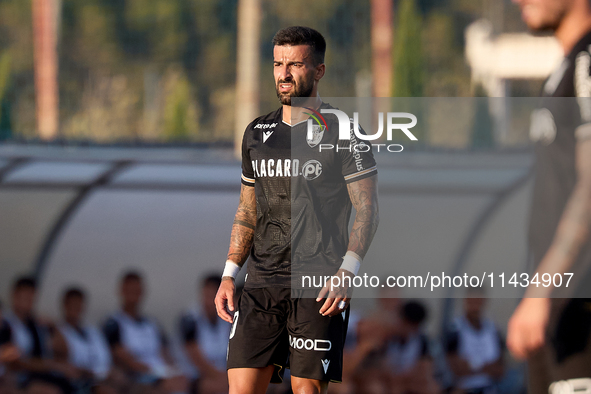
<point x="364" y="197"/>
<point x="527" y="326"/>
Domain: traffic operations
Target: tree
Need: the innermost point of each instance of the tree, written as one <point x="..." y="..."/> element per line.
<point x="408" y="56"/>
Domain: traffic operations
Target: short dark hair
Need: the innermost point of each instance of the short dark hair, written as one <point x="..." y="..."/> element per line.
<point x="414" y="312"/>
<point x="129" y="276"/>
<point x="300" y="35"/>
<point x="24" y="282"/>
<point x="72" y="292"/>
<point x="212" y="279"/>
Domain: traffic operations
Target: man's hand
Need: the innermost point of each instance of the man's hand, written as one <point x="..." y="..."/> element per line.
<point x="527" y="327"/>
<point x="335" y="294"/>
<point x="224" y="299"/>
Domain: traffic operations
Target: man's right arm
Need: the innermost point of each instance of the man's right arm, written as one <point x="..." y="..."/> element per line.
<point x="240" y="244"/>
<point x="243" y="227"/>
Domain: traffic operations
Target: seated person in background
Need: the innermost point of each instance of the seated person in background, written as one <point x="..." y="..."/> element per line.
<point x="475" y="348"/>
<point x="8" y="354"/>
<point x="394" y="352"/>
<point x="138" y="345"/>
<point x="365" y="346"/>
<point x="82" y="347"/>
<point x="408" y="360"/>
<point x="35" y="371"/>
<point x="205" y="337"/>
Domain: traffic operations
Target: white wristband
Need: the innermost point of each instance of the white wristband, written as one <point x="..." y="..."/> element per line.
<point x="351" y="262"/>
<point x="231" y="269"/>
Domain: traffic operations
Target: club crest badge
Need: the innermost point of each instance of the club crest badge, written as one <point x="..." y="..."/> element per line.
<point x="316" y="135"/>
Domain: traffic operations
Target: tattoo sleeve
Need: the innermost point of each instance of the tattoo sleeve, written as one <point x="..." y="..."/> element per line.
<point x="243" y="227"/>
<point x="364" y="197"/>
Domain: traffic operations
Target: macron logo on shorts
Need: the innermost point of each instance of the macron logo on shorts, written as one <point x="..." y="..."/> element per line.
<point x="325" y="364"/>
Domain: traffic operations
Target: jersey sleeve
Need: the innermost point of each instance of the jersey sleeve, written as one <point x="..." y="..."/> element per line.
<point x="425" y="351"/>
<point x="112" y="332"/>
<point x="188" y="329"/>
<point x="247" y="170"/>
<point x="452" y="342"/>
<point x="5" y="333"/>
<point x="356" y="158"/>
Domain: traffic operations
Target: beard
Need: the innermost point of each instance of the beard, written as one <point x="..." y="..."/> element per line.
<point x="299" y="90"/>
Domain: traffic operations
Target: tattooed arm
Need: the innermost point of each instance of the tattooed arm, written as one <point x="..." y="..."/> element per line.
<point x="364" y="196"/>
<point x="240" y="244"/>
<point x="526" y="330"/>
<point x="243" y="227"/>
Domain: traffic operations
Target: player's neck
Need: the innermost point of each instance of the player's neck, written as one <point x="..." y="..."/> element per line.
<point x="131" y="311"/>
<point x="574" y="26"/>
<point x="72" y="322"/>
<point x="294" y="115"/>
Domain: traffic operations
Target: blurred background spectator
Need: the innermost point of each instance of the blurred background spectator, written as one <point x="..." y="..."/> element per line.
<point x="475" y="348"/>
<point x="205" y="337"/>
<point x="138" y="344"/>
<point x="82" y="347"/>
<point x="34" y="369"/>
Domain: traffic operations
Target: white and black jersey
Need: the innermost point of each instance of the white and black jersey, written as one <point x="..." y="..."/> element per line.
<point x="211" y="337"/>
<point x="303" y="206"/>
<point x="402" y="355"/>
<point x="477" y="346"/>
<point x="141" y="337"/>
<point x="87" y="349"/>
<point x="28" y="336"/>
<point x="5" y="339"/>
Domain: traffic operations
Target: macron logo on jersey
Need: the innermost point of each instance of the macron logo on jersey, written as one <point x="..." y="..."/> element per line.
<point x="266" y="135"/>
<point x="264" y="127"/>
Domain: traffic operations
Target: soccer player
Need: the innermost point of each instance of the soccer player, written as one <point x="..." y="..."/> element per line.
<point x="554" y="334"/>
<point x="281" y="201"/>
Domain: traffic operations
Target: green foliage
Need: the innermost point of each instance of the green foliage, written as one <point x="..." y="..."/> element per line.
<point x="5" y="60"/>
<point x="180" y="111"/>
<point x="408" y="78"/>
<point x="164" y="70"/>
<point x="5" y="124"/>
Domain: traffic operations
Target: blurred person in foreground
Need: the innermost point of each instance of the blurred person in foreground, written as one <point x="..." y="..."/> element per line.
<point x="475" y="348"/>
<point x="83" y="347"/>
<point x="35" y="371"/>
<point x="553" y="335"/>
<point x="274" y="323"/>
<point x="205" y="337"/>
<point x="138" y="345"/>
